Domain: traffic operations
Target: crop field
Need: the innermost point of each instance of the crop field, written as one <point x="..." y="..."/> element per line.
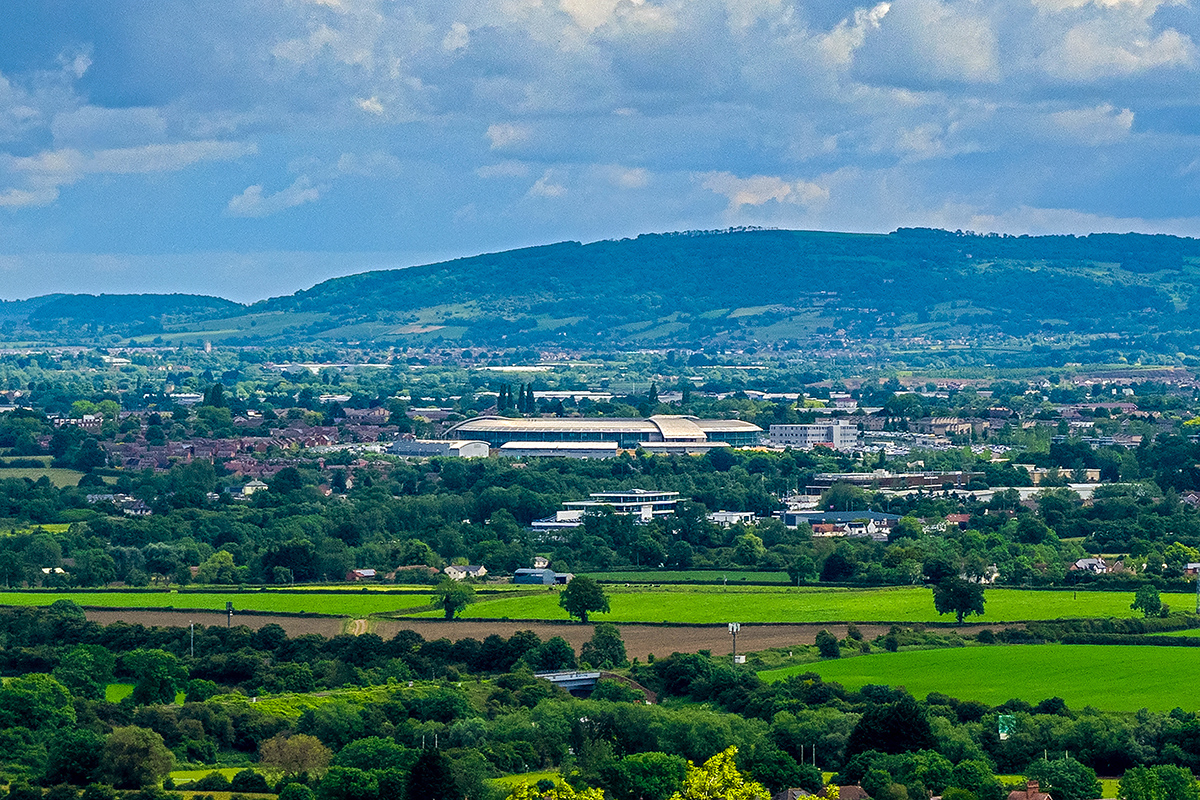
<point x="1112" y="677"/>
<point x="714" y="604"/>
<point x="351" y="604"/>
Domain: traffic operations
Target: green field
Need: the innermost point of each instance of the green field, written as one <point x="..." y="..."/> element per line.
<point x="59" y="477"/>
<point x="733" y="578"/>
<point x="713" y="604"/>
<point x="350" y="604"/>
<point x="1111" y="677"/>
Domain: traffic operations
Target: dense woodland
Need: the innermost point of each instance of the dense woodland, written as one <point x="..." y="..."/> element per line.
<point x="394" y="699"/>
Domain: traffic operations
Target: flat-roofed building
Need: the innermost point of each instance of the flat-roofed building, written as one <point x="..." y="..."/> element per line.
<point x="559" y="449"/>
<point x="451" y="448"/>
<point x="643" y="503"/>
<point x="838" y="434"/>
<point x="628" y="433"/>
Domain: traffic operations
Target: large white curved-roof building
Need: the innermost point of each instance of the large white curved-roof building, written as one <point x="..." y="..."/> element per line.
<point x="626" y="432"/>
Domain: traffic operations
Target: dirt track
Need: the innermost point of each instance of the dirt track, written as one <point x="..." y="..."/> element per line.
<point x="640" y="640"/>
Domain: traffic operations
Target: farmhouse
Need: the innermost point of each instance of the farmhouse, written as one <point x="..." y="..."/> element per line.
<point x="1032" y="791"/>
<point x="457" y="573"/>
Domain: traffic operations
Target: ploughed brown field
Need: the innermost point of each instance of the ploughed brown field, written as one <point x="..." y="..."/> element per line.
<point x="640" y="640"/>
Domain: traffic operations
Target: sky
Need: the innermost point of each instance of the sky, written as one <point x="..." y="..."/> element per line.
<point x="251" y="148"/>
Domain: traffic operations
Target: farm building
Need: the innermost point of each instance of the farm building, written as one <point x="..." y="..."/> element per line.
<point x="541" y="577"/>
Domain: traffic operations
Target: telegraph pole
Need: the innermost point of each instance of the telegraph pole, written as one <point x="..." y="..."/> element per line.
<point x="734" y="627"/>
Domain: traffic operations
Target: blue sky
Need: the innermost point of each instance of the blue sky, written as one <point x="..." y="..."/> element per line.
<point x="249" y="148"/>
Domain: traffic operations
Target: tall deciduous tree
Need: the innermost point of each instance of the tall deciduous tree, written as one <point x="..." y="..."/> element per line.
<point x="432" y="778"/>
<point x="719" y="779"/>
<point x="959" y="597"/>
<point x="290" y="756"/>
<point x="582" y="596"/>
<point x="453" y="596"/>
<point x="606" y="649"/>
<point x="134" y="757"/>
<point x="159" y="676"/>
<point x="1147" y="601"/>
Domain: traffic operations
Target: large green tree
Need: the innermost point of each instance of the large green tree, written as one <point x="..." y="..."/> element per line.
<point x="1065" y="778"/>
<point x="160" y="675"/>
<point x="1164" y="782"/>
<point x="582" y="596"/>
<point x="134" y="757"/>
<point x="453" y="596"/>
<point x="959" y="597"/>
<point x="1147" y="601"/>
<point x="606" y="649"/>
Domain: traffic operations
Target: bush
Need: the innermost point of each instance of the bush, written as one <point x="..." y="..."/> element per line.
<point x="985" y="636"/>
<point x="212" y="782"/>
<point x="827" y="645"/>
<point x="296" y="791"/>
<point x="616" y="692"/>
<point x="249" y="781"/>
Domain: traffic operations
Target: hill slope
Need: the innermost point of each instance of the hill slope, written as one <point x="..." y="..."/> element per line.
<point x="771" y="285"/>
<point x="727" y="288"/>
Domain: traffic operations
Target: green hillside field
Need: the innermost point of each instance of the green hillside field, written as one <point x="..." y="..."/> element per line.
<point x="715" y="604"/>
<point x="349" y="604"/>
<point x="1110" y="677"/>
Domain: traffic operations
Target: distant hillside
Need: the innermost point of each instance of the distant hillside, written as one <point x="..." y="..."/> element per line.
<point x="772" y="285"/>
<point x="726" y="288"/>
<point x="122" y="314"/>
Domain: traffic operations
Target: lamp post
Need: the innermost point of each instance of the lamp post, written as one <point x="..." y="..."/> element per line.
<point x="734" y="627"/>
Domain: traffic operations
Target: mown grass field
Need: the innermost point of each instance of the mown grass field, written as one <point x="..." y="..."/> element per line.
<point x="1110" y="677"/>
<point x="351" y="604"/>
<point x="691" y="576"/>
<point x="809" y="604"/>
<point x="59" y="477"/>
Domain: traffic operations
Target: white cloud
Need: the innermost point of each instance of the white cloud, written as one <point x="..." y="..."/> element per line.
<point x="546" y="187"/>
<point x="761" y="189"/>
<point x="503" y="169"/>
<point x="928" y="41"/>
<point x="253" y="202"/>
<point x="49" y="170"/>
<point x="93" y="126"/>
<point x="1101" y="125"/>
<point x="1105" y="48"/>
<point x="506" y="134"/>
<point x="375" y="164"/>
<point x="838" y="45"/>
<point x="457" y="38"/>
<point x="371" y="105"/>
<point x="628" y="177"/>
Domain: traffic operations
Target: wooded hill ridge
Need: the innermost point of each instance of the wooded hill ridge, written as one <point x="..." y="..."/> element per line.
<point x="724" y="288"/>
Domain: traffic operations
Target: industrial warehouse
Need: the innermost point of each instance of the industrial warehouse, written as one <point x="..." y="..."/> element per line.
<point x="661" y="433"/>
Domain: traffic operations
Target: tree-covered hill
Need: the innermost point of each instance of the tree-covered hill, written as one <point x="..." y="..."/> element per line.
<point x="694" y="289"/>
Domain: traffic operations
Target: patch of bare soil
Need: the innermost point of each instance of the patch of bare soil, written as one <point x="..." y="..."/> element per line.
<point x="642" y="640"/>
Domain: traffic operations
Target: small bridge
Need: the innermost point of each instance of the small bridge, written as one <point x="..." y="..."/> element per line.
<point x="581" y="684"/>
<point x="573" y="681"/>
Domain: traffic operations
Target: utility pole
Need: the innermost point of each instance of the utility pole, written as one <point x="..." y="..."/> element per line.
<point x="734" y="627"/>
<point x="192" y="625"/>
